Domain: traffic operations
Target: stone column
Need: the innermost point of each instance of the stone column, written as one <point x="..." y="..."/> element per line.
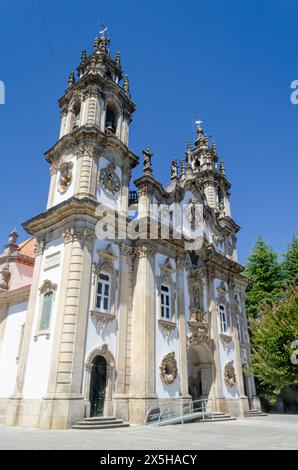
<point x="64" y="402"/>
<point x="93" y="111"/>
<point x="255" y="401"/>
<point x="243" y="402"/>
<point x="14" y="410"/>
<point x="214" y="333"/>
<point x="85" y="183"/>
<point x="63" y="122"/>
<point x="142" y="381"/>
<point x="123" y="209"/>
<point x="120" y="397"/>
<point x="183" y="369"/>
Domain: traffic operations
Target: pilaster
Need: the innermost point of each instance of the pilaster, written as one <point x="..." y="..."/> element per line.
<point x="183" y="372"/>
<point x="142" y="385"/>
<point x="64" y="403"/>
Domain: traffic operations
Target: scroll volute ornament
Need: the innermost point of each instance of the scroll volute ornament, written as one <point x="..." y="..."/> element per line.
<point x="65" y="179"/>
<point x="229" y="374"/>
<point x="168" y="369"/>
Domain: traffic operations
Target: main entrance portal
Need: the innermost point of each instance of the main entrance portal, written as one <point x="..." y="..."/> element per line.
<point x="98" y="386"/>
<point x="200" y="371"/>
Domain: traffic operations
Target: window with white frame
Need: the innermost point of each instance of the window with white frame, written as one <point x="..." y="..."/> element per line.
<point x="46" y="311"/>
<point x="223" y="319"/>
<point x="165" y="303"/>
<point x="103" y="293"/>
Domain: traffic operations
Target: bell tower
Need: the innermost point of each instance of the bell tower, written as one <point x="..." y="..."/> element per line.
<point x="96" y="111"/>
<point x="90" y="165"/>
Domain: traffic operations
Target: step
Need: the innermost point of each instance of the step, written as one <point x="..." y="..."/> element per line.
<point x="216" y="420"/>
<point x="99" y="422"/>
<point x="100" y="418"/>
<point x="100" y="426"/>
<point x="256" y="413"/>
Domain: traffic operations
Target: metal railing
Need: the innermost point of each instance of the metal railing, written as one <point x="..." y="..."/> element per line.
<point x="181" y="412"/>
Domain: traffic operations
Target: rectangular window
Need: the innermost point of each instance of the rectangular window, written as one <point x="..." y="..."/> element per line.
<point x="223" y="319"/>
<point x="165" y="303"/>
<point x="46" y="311"/>
<point x="103" y="292"/>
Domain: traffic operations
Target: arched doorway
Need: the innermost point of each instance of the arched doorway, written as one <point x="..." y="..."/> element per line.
<point x="98" y="386"/>
<point x="201" y="371"/>
<point x="100" y="376"/>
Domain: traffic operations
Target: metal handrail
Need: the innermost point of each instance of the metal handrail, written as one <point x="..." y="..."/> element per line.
<point x="177" y="412"/>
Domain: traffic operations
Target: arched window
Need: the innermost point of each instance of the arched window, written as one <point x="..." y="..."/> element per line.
<point x="76" y="116"/>
<point x="103" y="294"/>
<point x="223" y="319"/>
<point x="165" y="303"/>
<point x="46" y="311"/>
<point x="111" y="119"/>
<point x="47" y="296"/>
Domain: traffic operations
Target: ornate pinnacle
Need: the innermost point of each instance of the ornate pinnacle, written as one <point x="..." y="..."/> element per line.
<point x="183" y="168"/>
<point x="84" y="56"/>
<point x="71" y="80"/>
<point x="222" y="168"/>
<point x="188" y="152"/>
<point x="117" y="59"/>
<point x="213" y="148"/>
<point x="174" y="169"/>
<point x="126" y="84"/>
<point x="96" y="44"/>
<point x="147" y="165"/>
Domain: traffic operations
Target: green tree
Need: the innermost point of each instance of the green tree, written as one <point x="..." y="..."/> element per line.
<point x="290" y="262"/>
<point x="265" y="274"/>
<point x="272" y="337"/>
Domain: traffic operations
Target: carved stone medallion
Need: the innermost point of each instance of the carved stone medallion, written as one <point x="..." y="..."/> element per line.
<point x="168" y="369"/>
<point x="110" y="180"/>
<point x="65" y="179"/>
<point x="229" y="374"/>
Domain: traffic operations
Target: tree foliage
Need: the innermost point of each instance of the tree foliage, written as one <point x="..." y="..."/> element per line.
<point x="265" y="274"/>
<point x="290" y="263"/>
<point x="273" y="334"/>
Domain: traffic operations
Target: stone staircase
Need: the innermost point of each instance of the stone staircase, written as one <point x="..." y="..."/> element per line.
<point x="253" y="413"/>
<point x="100" y="422"/>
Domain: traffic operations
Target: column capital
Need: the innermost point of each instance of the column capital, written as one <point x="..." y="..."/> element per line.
<point x="144" y="251"/>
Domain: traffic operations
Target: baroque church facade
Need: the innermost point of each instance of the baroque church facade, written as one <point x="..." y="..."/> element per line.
<point x="114" y="325"/>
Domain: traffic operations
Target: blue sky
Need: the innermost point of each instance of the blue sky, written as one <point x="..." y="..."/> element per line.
<point x="230" y="61"/>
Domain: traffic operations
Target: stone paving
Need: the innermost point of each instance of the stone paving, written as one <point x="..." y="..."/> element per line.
<point x="271" y="432"/>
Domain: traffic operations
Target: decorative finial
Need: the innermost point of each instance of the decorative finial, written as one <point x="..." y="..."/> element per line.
<point x="222" y="168"/>
<point x="126" y="84"/>
<point x="117" y="59"/>
<point x="147" y="166"/>
<point x="13" y="236"/>
<point x="174" y="169"/>
<point x="12" y="245"/>
<point x="213" y="148"/>
<point x="71" y="80"/>
<point x="103" y="30"/>
<point x="84" y="56"/>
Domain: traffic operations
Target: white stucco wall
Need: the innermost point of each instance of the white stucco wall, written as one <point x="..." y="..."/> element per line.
<point x="40" y="351"/>
<point x="8" y="365"/>
<point x="95" y="337"/>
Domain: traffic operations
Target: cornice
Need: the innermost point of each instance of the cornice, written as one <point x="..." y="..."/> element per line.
<point x="15" y="296"/>
<point x="91" y="136"/>
<point x="222" y="261"/>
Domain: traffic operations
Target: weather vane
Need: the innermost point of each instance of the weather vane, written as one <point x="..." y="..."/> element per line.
<point x="103" y="30"/>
